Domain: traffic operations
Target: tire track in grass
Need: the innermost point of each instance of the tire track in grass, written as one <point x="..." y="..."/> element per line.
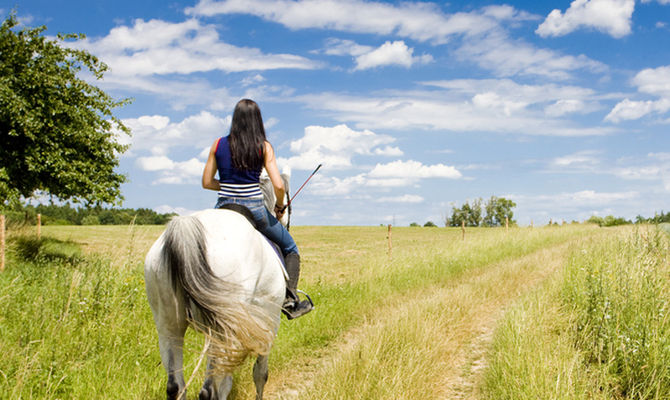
<point x="474" y="303"/>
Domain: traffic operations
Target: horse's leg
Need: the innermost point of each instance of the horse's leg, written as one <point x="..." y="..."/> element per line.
<point x="170" y="319"/>
<point x="260" y="375"/>
<point x="171" y="343"/>
<point x="215" y="387"/>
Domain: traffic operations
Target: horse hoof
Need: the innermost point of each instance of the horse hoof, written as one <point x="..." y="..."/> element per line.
<point x="204" y="395"/>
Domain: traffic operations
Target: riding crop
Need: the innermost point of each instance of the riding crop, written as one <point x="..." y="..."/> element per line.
<point x="298" y="191"/>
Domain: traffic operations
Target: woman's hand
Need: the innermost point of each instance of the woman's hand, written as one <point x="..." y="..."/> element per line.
<point x="280" y="210"/>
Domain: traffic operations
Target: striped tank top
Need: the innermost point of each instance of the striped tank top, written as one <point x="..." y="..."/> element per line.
<point x="235" y="182"/>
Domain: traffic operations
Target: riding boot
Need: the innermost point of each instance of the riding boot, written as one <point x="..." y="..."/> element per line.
<point x="294" y="307"/>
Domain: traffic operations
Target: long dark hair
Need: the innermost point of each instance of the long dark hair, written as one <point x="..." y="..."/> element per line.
<point x="247" y="136"/>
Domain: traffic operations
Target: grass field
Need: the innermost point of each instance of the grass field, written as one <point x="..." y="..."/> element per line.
<point x="438" y="318"/>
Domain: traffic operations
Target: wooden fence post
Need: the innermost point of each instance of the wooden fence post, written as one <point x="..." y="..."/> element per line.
<point x="39" y="226"/>
<point x="2" y="243"/>
<point x="390" y="241"/>
<point x="463" y="228"/>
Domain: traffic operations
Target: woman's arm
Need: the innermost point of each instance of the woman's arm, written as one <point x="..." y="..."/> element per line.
<point x="275" y="177"/>
<point x="208" y="180"/>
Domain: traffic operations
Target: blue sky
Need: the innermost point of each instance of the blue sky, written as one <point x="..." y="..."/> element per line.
<point x="412" y="107"/>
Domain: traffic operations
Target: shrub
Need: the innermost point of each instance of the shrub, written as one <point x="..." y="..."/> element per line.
<point x="90" y="220"/>
<point x="609" y="220"/>
<point x="31" y="248"/>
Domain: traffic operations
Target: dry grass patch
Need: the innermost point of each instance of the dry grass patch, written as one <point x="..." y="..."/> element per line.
<point x="428" y="344"/>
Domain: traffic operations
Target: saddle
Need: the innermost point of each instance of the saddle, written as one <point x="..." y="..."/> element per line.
<point x="245" y="212"/>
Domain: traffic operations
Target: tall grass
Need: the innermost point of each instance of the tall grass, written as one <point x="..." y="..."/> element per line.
<point x="533" y="355"/>
<point x="600" y="331"/>
<point x="620" y="293"/>
<point x="74" y="327"/>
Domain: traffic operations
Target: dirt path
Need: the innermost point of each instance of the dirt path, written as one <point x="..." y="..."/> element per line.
<point x="478" y="298"/>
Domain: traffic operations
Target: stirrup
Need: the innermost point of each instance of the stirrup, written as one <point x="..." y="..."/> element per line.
<point x="298" y="308"/>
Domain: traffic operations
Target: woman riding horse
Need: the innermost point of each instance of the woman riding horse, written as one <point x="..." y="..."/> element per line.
<point x="239" y="159"/>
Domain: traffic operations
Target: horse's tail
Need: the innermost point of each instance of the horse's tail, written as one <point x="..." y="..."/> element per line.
<point x="236" y="324"/>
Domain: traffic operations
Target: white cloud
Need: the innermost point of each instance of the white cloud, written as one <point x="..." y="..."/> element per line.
<point x="418" y="21"/>
<point x="649" y="172"/>
<point x="408" y="198"/>
<point x="172" y="172"/>
<point x="413" y="170"/>
<point x="158" y="47"/>
<point x="366" y="57"/>
<point x="497" y="52"/>
<point x="252" y="80"/>
<point x="630" y="110"/>
<point x="492" y="100"/>
<point x="387" y="151"/>
<point x="655" y="167"/>
<point x="484" y="40"/>
<point x="653" y="81"/>
<point x="335" y="147"/>
<point x="609" y="16"/>
<point x="489" y="105"/>
<point x="341" y="47"/>
<point x="155" y="163"/>
<point x="390" y="53"/>
<point x="591" y="197"/>
<point x="660" y="156"/>
<point x="581" y="159"/>
<point x="157" y="135"/>
<point x="574" y="205"/>
<point x="567" y="106"/>
<point x="384" y="177"/>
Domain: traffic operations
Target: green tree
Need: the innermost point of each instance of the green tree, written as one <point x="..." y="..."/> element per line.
<point x="56" y="130"/>
<point x="470" y="213"/>
<point x="497" y="209"/>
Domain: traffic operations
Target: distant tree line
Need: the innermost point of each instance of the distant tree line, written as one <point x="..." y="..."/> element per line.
<point x="656" y="219"/>
<point x="68" y="215"/>
<point x="611" y="220"/>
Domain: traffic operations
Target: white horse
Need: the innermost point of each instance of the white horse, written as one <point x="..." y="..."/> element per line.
<point x="214" y="272"/>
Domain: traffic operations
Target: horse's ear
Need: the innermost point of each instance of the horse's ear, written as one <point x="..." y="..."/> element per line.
<point x="286" y="171"/>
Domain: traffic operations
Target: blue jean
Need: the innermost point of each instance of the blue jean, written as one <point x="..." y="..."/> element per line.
<point x="266" y="223"/>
